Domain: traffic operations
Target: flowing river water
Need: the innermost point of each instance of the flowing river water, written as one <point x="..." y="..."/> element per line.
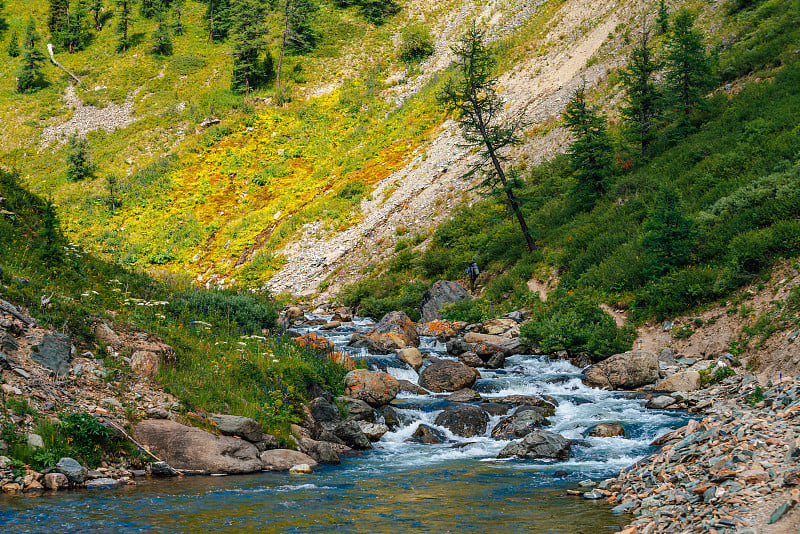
<point x="398" y="486"/>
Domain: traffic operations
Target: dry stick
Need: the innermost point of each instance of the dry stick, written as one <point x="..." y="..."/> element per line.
<point x="9" y="308"/>
<point x="59" y="65"/>
<point x="128" y="436"/>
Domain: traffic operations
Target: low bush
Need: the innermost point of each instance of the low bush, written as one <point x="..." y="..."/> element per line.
<point x="416" y="43"/>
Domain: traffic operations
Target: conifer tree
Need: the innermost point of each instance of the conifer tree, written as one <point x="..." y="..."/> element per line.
<point x="220" y="19"/>
<point x="162" y="40"/>
<point x="123" y="23"/>
<point x="79" y="163"/>
<point x="249" y="35"/>
<point x="472" y="94"/>
<point x="302" y="36"/>
<point x="113" y="192"/>
<point x="669" y="235"/>
<point x="177" y="18"/>
<point x="57" y="13"/>
<point x="643" y="103"/>
<point x="30" y="77"/>
<point x="662" y="18"/>
<point x="95" y="8"/>
<point x="13" y="45"/>
<point x="688" y="66"/>
<point x="73" y="35"/>
<point x="3" y="23"/>
<point x="591" y="151"/>
<point x="148" y="8"/>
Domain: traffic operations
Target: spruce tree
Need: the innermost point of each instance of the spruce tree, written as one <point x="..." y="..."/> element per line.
<point x="113" y="192"/>
<point x="472" y="94"/>
<point x="162" y="40"/>
<point x="220" y="19"/>
<point x="177" y="18"/>
<point x="688" y="67"/>
<point x="662" y="19"/>
<point x="148" y="8"/>
<point x="73" y="35"/>
<point x="57" y="13"/>
<point x="30" y="77"/>
<point x="95" y="8"/>
<point x="590" y="153"/>
<point x="303" y="36"/>
<point x="123" y="23"/>
<point x="13" y="45"/>
<point x="249" y="35"/>
<point x="79" y="163"/>
<point x="669" y="235"/>
<point x="643" y="102"/>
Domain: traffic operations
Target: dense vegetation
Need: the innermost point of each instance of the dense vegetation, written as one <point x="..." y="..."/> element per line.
<point x="711" y="204"/>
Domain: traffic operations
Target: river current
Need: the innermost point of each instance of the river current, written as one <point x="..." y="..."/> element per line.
<point x="398" y="486"/>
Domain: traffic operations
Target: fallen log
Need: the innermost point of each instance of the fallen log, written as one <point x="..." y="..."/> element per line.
<point x="59" y="65"/>
<point x="9" y="308"/>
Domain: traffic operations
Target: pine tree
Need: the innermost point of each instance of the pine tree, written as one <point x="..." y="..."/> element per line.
<point x="123" y="23"/>
<point x="177" y="18"/>
<point x="662" y="19"/>
<point x="79" y="163"/>
<point x="249" y="35"/>
<point x="57" y="13"/>
<point x="50" y="251"/>
<point x="113" y="192"/>
<point x="303" y="36"/>
<point x="220" y="19"/>
<point x="13" y="45"/>
<point x="73" y="35"/>
<point x="669" y="235"/>
<point x="688" y="67"/>
<point x="472" y="95"/>
<point x="95" y="8"/>
<point x="591" y="152"/>
<point x="30" y="77"/>
<point x="148" y="8"/>
<point x="643" y="102"/>
<point x="162" y="40"/>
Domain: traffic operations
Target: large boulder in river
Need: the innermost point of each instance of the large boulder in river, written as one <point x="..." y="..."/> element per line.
<point x="428" y="435"/>
<point x="465" y="421"/>
<point x="545" y="406"/>
<point x="395" y="331"/>
<point x="447" y="375"/>
<point x="284" y="459"/>
<point x="235" y="425"/>
<point x="193" y="450"/>
<point x="376" y="388"/>
<point x="628" y="370"/>
<point x="412" y="356"/>
<point x="518" y="425"/>
<point x="508" y="346"/>
<point x="441" y="293"/>
<point x="682" y="381"/>
<point x="320" y="451"/>
<point x="357" y="409"/>
<point x="607" y="430"/>
<point x="71" y="469"/>
<point x="538" y="444"/>
<point x="351" y="435"/>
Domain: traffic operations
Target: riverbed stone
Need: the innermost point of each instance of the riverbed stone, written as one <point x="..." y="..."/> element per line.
<point x="465" y="395"/>
<point x="236" y="425"/>
<point x="447" y="375"/>
<point x="194" y="450"/>
<point x="428" y="435"/>
<point x="324" y="411"/>
<point x="628" y="370"/>
<point x="411" y="387"/>
<point x="682" y="381"/>
<point x="545" y="406"/>
<point x="395" y="331"/>
<point x="284" y="459"/>
<point x="607" y="430"/>
<point x="376" y="388"/>
<point x="144" y="363"/>
<point x="321" y="451"/>
<point x="373" y="431"/>
<point x="660" y="402"/>
<point x="440" y="293"/>
<point x="538" y="444"/>
<point x="70" y="468"/>
<point x="102" y="483"/>
<point x="470" y="359"/>
<point x="466" y="421"/>
<point x="518" y="425"/>
<point x="357" y="409"/>
<point x="351" y="434"/>
<point x="412" y="356"/>
<point x="55" y="481"/>
<point x="508" y="346"/>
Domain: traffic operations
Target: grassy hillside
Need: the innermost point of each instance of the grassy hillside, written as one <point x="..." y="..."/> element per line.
<point x="736" y="174"/>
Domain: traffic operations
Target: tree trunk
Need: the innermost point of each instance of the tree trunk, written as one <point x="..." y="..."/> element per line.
<point x="283" y="46"/>
<point x="211" y="28"/>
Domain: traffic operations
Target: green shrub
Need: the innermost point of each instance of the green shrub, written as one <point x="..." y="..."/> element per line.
<point x="573" y="322"/>
<point x="247" y="311"/>
<point x="86" y="438"/>
<point x="714" y="374"/>
<point x="676" y="292"/>
<point x="416" y="44"/>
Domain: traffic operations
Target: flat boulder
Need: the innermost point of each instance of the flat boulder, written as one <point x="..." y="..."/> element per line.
<point x="284" y="460"/>
<point x="681" y="381"/>
<point x="440" y="293"/>
<point x="466" y="421"/>
<point x="508" y="346"/>
<point x="518" y="425"/>
<point x="321" y="451"/>
<point x="194" y="450"/>
<point x="628" y="370"/>
<point x="373" y="431"/>
<point x="447" y="375"/>
<point x="376" y="388"/>
<point x="54" y="352"/>
<point x="236" y="425"/>
<point x="465" y="395"/>
<point x="545" y="406"/>
<point x="394" y="332"/>
<point x="538" y="444"/>
<point x="411" y="387"/>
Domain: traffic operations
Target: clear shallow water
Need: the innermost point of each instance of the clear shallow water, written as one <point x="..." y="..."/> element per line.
<point x="398" y="486"/>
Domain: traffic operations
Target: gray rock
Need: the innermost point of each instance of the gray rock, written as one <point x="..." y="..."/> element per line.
<point x="54" y="352"/>
<point x="158" y="413"/>
<point x="466" y="421"/>
<point x="683" y="381"/>
<point x="35" y="441"/>
<point x="667" y="356"/>
<point x="428" y="435"/>
<point x="447" y="375"/>
<point x="394" y="331"/>
<point x="607" y="430"/>
<point x="235" y="425"/>
<point x="412" y="356"/>
<point x="470" y="359"/>
<point x="518" y="425"/>
<point x="464" y="395"/>
<point x="592" y="495"/>
<point x="779" y="512"/>
<point x="410" y="387"/>
<point x="4" y="363"/>
<point x="390" y="417"/>
<point x="357" y="409"/>
<point x="102" y="483"/>
<point x="538" y="444"/>
<point x="194" y="450"/>
<point x="324" y="411"/>
<point x="660" y="402"/>
<point x="162" y="469"/>
<point x="71" y="469"/>
<point x="373" y="431"/>
<point x="628" y="370"/>
<point x="441" y="293"/>
<point x="351" y="434"/>
<point x="285" y="459"/>
<point x="376" y="388"/>
<point x="320" y="451"/>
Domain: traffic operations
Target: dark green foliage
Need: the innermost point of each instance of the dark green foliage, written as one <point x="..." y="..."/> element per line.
<point x="662" y="18"/>
<point x="3" y="23"/>
<point x="247" y="311"/>
<point x="221" y="17"/>
<point x="303" y="35"/>
<point x="590" y="153"/>
<point x="73" y="34"/>
<point x="57" y="15"/>
<point x="177" y="25"/>
<point x="162" y="38"/>
<point x="688" y="66"/>
<point x="377" y="11"/>
<point x="124" y="22"/>
<point x="377" y="297"/>
<point x="714" y="374"/>
<point x="30" y="77"/>
<point x="353" y="190"/>
<point x="79" y="163"/>
<point x="86" y="437"/>
<point x="50" y="242"/>
<point x="669" y="235"/>
<point x="249" y="34"/>
<point x="573" y="322"/>
<point x="416" y="44"/>
<point x="95" y="8"/>
<point x="13" y="45"/>
<point x="471" y="94"/>
<point x="643" y="103"/>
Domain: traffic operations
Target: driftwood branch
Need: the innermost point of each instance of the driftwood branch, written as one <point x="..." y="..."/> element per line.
<point x="130" y="438"/>
<point x="59" y="65"/>
<point x="7" y="307"/>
